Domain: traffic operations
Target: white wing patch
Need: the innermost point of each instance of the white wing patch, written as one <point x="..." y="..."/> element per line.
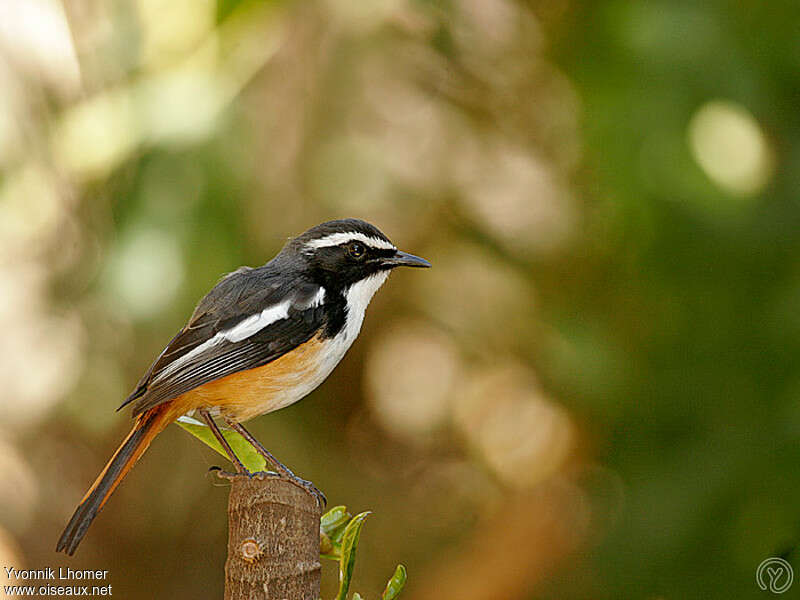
<point x="244" y="329"/>
<point x="335" y="239"/>
<point x="318" y="298"/>
<point x="255" y="323"/>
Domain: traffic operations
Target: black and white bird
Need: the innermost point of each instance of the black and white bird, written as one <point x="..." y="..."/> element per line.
<point x="260" y="340"/>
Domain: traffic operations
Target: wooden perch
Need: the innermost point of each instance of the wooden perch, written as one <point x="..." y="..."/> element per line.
<point x="273" y="540"/>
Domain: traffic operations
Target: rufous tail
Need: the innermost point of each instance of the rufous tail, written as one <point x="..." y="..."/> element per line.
<point x="148" y="425"/>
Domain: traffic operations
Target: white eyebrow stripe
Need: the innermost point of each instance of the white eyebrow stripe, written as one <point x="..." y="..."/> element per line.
<point x="335" y="239"/>
<point x="244" y="329"/>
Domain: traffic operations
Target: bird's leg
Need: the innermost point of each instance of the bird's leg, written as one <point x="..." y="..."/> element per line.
<point x="240" y="468"/>
<point x="282" y="469"/>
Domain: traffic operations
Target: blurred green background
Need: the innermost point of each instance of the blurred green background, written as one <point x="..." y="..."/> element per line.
<point x="593" y="394"/>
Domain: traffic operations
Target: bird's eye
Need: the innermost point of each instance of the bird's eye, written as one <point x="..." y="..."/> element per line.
<point x="356" y="250"/>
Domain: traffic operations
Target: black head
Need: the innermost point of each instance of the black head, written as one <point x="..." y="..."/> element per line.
<point x="343" y="252"/>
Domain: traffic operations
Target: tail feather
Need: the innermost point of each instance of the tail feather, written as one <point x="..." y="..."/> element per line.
<point x="147" y="426"/>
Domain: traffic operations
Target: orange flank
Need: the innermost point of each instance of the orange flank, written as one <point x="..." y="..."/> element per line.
<point x="247" y="394"/>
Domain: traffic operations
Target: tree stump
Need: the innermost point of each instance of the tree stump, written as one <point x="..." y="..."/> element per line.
<point x="273" y="540"/>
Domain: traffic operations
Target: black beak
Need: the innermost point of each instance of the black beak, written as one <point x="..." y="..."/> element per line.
<point x="404" y="259"/>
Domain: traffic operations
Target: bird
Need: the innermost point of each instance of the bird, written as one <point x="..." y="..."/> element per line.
<point x="261" y="339"/>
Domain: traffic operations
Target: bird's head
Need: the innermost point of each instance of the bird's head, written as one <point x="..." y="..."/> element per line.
<point x="339" y="254"/>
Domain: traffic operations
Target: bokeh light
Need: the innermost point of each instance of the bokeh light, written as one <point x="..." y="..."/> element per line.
<point x="411" y="374"/>
<point x="146" y="272"/>
<point x="523" y="436"/>
<point x="730" y="146"/>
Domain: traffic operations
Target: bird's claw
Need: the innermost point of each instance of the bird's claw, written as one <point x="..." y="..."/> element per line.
<point x="302" y="483"/>
<point x="311" y="489"/>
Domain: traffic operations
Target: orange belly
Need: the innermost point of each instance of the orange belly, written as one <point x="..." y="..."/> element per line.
<point x="247" y="394"/>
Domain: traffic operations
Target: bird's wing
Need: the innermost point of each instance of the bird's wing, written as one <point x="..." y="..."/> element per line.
<point x="246" y="321"/>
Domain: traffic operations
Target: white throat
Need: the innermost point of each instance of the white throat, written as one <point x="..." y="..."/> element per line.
<point x="358" y="297"/>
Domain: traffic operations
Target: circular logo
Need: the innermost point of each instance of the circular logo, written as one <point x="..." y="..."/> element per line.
<point x="774" y="574"/>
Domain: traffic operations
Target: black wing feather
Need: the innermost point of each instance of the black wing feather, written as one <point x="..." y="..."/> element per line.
<point x="236" y="297"/>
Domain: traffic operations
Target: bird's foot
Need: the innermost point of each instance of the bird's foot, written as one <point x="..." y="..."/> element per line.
<point x="291" y="477"/>
<point x="308" y="487"/>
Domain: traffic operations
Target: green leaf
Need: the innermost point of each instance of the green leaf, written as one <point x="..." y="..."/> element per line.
<point x="332" y="525"/>
<point x="335" y="519"/>
<point x="396" y="584"/>
<point x="250" y="458"/>
<point x="348" y="560"/>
